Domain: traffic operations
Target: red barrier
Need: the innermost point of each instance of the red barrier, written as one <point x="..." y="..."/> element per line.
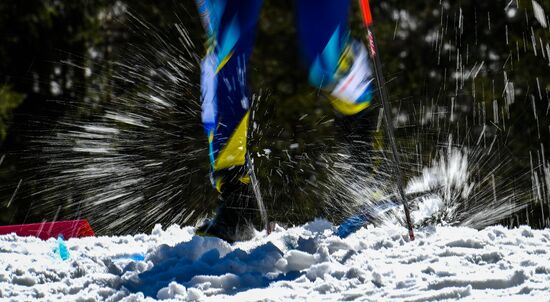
<point x="45" y="230"/>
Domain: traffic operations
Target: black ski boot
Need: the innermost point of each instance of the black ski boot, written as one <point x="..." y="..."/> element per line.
<point x="235" y="215"/>
<point x="360" y="136"/>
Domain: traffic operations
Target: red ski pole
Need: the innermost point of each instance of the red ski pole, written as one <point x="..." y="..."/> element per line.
<point x="382" y="93"/>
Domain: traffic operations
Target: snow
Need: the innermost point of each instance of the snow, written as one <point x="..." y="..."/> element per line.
<point x="303" y="263"/>
<point x="539" y="13"/>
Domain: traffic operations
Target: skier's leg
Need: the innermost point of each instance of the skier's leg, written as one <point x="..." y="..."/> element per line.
<point x="338" y="65"/>
<point x="318" y="21"/>
<point x="230" y="25"/>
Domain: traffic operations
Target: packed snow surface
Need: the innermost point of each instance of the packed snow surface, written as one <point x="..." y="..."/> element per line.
<point x="305" y="263"/>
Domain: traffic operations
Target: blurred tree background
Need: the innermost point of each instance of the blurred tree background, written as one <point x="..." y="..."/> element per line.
<point x="470" y="70"/>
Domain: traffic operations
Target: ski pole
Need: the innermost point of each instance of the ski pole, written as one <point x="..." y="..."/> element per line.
<point x="257" y="193"/>
<point x="373" y="51"/>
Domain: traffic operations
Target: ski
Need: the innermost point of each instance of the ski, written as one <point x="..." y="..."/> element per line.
<point x="373" y="213"/>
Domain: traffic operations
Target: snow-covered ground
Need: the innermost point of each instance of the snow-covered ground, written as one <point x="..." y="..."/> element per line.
<point x="305" y="263"/>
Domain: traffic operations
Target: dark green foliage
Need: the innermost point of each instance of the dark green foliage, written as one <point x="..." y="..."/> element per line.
<point x="9" y="100"/>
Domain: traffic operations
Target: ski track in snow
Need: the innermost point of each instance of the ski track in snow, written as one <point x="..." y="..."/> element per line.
<point x="305" y="263"/>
